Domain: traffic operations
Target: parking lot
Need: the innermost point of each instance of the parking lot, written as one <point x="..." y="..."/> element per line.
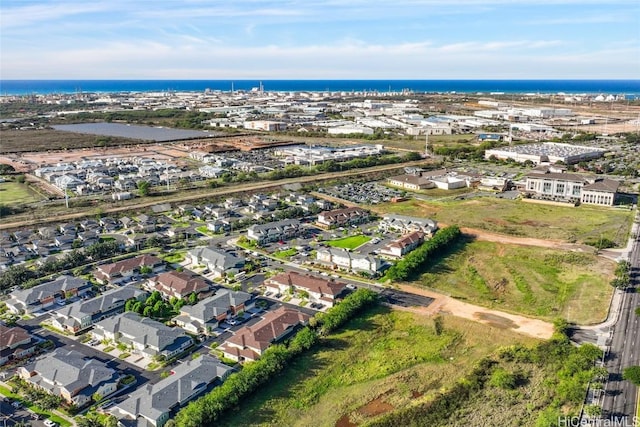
<point x="366" y="193"/>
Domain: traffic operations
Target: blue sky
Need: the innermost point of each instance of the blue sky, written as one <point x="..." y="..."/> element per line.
<point x="319" y="39"/>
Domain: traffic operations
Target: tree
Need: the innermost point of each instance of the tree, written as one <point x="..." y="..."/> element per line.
<point x="4" y="169"/>
<point x="143" y="188"/>
<point x="632" y="373"/>
<point x="593" y="410"/>
<point x="193" y="298"/>
<point x="637" y="311"/>
<point x="504" y="379"/>
<point x="138" y="307"/>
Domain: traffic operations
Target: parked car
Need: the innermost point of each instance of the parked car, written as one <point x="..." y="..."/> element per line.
<point x="50" y="423"/>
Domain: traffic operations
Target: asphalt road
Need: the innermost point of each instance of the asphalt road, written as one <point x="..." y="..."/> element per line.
<point x="621" y="396"/>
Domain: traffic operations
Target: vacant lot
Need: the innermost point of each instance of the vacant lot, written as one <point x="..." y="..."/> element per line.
<point x="14" y="193"/>
<point x="19" y="141"/>
<point x="381" y="361"/>
<point x="517" y="218"/>
<point x="544" y="283"/>
<point x="419" y="143"/>
<point x="350" y="242"/>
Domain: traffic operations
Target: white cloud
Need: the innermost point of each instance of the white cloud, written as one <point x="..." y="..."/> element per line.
<point x="350" y="60"/>
<point x="26" y="16"/>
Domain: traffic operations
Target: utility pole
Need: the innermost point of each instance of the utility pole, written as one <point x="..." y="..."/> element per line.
<point x="426" y="145"/>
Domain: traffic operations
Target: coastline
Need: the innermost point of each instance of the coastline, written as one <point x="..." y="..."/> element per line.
<point x="627" y="87"/>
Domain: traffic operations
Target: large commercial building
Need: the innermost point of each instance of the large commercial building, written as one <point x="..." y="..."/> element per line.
<point x="569" y="187"/>
<point x="546" y="152"/>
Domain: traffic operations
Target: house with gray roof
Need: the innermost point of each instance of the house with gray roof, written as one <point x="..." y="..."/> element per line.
<point x="153" y="405"/>
<point x="350" y="261"/>
<point x="274" y="231"/>
<point x="71" y="375"/>
<point x="219" y="262"/>
<point x="147" y="337"/>
<point x="80" y="315"/>
<point x="204" y="316"/>
<point x="407" y="224"/>
<point x="47" y="294"/>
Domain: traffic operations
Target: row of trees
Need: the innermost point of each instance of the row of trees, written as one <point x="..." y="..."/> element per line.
<point x="415" y="260"/>
<point x="19" y="275"/>
<point x="622" y="278"/>
<point x="209" y="408"/>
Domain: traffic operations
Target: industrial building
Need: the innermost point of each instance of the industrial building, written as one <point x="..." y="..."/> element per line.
<point x="546" y="152"/>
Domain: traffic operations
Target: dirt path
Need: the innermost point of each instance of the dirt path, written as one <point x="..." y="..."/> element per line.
<point x="444" y="304"/>
<point x="525" y="241"/>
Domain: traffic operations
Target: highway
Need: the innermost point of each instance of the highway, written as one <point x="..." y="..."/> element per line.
<point x="620" y="397"/>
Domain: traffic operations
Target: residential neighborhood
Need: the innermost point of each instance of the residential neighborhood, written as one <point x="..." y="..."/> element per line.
<point x="171" y="266"/>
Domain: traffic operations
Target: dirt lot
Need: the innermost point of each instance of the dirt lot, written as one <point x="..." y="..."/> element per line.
<point x="31" y="160"/>
<point x="444" y="304"/>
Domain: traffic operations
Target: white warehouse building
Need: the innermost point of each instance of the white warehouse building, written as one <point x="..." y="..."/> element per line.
<point x="546" y="152"/>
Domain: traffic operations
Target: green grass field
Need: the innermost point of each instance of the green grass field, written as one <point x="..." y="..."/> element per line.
<point x="350" y="242"/>
<point x="517" y="218"/>
<point x="544" y="283"/>
<point x="418" y="143"/>
<point x="174" y="257"/>
<point x="14" y="193"/>
<point x="381" y="361"/>
<point x="286" y="254"/>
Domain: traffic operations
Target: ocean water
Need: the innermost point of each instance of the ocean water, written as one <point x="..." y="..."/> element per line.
<point x="631" y="88"/>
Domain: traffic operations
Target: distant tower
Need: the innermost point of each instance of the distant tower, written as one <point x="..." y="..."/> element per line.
<point x="261" y="87"/>
<point x="510" y="134"/>
<point x="231" y="88"/>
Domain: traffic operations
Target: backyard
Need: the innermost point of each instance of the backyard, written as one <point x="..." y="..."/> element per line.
<point x="350" y="242"/>
<point x="544" y="283"/>
<point x="517" y="218"/>
<point x="382" y="361"/>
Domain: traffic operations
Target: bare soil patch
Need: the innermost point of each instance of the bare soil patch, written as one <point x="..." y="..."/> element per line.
<point x="443" y="304"/>
<point x="375" y="407"/>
